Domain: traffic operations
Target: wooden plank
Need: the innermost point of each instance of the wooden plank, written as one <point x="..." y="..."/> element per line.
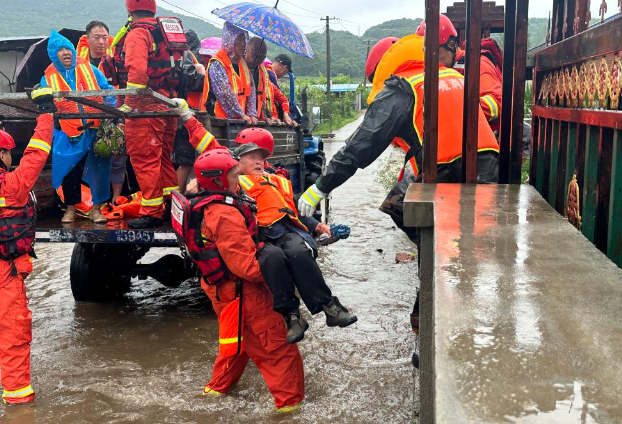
<point x="590" y="183"/>
<point x="554" y="159"/>
<point x="471" y="100"/>
<point x="582" y="22"/>
<point x="560" y="186"/>
<point x="430" y="87"/>
<point x="542" y="155"/>
<point x="518" y="113"/>
<point x="506" y="99"/>
<point x="537" y="129"/>
<point x="614" y="238"/>
<point x="605" y="152"/>
<point x="598" y="41"/>
<point x="601" y="118"/>
<point x="571" y="158"/>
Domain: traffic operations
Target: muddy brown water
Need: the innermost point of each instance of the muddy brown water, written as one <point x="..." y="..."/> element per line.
<point x="146" y="358"/>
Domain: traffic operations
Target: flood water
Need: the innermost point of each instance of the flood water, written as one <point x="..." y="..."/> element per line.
<point x="147" y="357"/>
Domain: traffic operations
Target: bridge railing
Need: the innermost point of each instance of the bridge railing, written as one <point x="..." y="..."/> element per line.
<point x="576" y="148"/>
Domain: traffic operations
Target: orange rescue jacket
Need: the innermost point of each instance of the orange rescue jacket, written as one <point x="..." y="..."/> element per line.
<point x="450" y="110"/>
<point x="85" y="80"/>
<point x="274" y="196"/>
<point x="265" y="94"/>
<point x="240" y="83"/>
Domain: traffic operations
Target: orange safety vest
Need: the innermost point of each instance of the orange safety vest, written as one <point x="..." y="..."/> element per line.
<point x="85" y="80"/>
<point x="399" y="142"/>
<point x="274" y="197"/>
<point x="83" y="48"/>
<point x="450" y="110"/>
<point x="265" y="93"/>
<point x="240" y="83"/>
<point x="194" y="97"/>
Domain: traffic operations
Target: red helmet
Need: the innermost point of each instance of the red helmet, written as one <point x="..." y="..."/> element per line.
<point x="6" y="141"/>
<point x="376" y="53"/>
<point x="259" y="136"/>
<point x="213" y="166"/>
<point x="445" y="31"/>
<point x="134" y="5"/>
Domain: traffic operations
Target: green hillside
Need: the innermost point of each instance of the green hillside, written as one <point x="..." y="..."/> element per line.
<point x="348" y="51"/>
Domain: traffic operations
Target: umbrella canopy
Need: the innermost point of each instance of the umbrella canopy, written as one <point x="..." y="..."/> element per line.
<point x="269" y="23"/>
<point x="210" y="46"/>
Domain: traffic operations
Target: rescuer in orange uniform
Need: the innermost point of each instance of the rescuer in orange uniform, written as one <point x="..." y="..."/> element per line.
<point x="17" y="233"/>
<point x="149" y="140"/>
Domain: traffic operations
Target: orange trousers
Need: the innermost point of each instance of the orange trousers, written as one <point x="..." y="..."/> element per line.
<point x="15" y="332"/>
<point x="265" y="343"/>
<point x="150" y="145"/>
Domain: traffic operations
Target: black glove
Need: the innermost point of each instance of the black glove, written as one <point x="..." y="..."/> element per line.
<point x="43" y="98"/>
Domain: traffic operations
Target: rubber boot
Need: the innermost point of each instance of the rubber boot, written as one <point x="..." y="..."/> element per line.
<point x="337" y="315"/>
<point x="145" y="221"/>
<point x="296" y="327"/>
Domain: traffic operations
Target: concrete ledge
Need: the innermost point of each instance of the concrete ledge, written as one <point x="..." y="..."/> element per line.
<point x="520" y="314"/>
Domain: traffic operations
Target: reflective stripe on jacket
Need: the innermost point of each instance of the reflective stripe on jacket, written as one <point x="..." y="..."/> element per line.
<point x="265" y="95"/>
<point x="450" y="111"/>
<point x="240" y="83"/>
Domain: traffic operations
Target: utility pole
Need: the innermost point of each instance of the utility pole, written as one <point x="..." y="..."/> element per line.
<point x="366" y="56"/>
<point x="328" y="96"/>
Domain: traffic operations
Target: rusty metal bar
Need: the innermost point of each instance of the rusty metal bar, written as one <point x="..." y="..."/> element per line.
<point x="471" y="91"/>
<point x="520" y="68"/>
<point x="506" y="97"/>
<point x="96" y="105"/>
<point x="430" y="87"/>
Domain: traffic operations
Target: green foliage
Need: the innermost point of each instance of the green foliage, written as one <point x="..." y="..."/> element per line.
<point x="341" y="79"/>
<point x="389" y="168"/>
<point x="528" y="99"/>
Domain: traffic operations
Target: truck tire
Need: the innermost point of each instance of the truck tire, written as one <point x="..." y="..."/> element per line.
<point x="101" y="272"/>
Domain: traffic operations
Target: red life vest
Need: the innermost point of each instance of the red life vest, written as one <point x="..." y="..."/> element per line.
<point x="17" y="233"/>
<point x="164" y="66"/>
<point x="187" y="219"/>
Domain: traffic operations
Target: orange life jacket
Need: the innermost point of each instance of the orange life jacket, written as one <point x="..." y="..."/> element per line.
<point x="85" y="80"/>
<point x="265" y="94"/>
<point x="83" y="47"/>
<point x="274" y="196"/>
<point x="194" y="97"/>
<point x="399" y="142"/>
<point x="240" y="83"/>
<point x="450" y="110"/>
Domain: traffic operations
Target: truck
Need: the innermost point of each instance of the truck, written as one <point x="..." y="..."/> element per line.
<point x="105" y="256"/>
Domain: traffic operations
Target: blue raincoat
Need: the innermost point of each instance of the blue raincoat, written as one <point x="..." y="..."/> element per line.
<point x="66" y="151"/>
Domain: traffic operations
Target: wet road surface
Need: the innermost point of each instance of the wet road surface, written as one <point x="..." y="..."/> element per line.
<point x="147" y="357"/>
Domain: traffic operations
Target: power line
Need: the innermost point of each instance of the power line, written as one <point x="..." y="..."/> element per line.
<point x="300" y="7"/>
<point x="218" y="24"/>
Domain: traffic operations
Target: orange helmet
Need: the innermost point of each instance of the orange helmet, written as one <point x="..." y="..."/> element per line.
<point x="446" y="30"/>
<point x="6" y="141"/>
<point x="134" y="5"/>
<point x="258" y="136"/>
<point x="213" y="166"/>
<point x="376" y="53"/>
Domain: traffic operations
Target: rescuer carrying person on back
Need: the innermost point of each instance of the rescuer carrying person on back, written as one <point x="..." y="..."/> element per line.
<point x="17" y="235"/>
<point x="397" y="111"/>
<point x="153" y="50"/>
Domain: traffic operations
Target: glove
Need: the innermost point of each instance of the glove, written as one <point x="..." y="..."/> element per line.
<point x="183" y="110"/>
<point x="309" y="200"/>
<point x="43" y="98"/>
<point x="125" y="108"/>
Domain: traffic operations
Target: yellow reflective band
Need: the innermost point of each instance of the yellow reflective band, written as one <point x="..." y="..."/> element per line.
<point x="289" y="408"/>
<point x="26" y="391"/>
<point x="315" y="196"/>
<point x="2" y="202"/>
<point x="230" y="340"/>
<point x="168" y="190"/>
<point x="210" y="392"/>
<point x="41" y="92"/>
<point x="443" y="74"/>
<point x="86" y="73"/>
<point x="285" y="185"/>
<point x="54" y="82"/>
<point x="152" y="202"/>
<point x="39" y="144"/>
<point x="132" y="85"/>
<point x="205" y="142"/>
<point x="245" y="182"/>
<point x="492" y="106"/>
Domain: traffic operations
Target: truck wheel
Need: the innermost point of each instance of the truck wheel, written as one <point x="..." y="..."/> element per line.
<point x="101" y="272"/>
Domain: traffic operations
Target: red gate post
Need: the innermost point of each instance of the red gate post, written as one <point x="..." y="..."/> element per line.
<point x="506" y="96"/>
<point x="430" y="88"/>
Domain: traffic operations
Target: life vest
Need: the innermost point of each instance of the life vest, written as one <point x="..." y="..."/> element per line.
<point x="164" y="66"/>
<point x="239" y="83"/>
<point x="187" y="215"/>
<point x="265" y="94"/>
<point x="274" y="197"/>
<point x="194" y="97"/>
<point x="402" y="144"/>
<point x="17" y="231"/>
<point x="85" y="80"/>
<point x="82" y="48"/>
<point x="450" y="111"/>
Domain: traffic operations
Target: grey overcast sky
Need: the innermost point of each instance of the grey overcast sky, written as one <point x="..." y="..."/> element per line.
<point x="356" y="15"/>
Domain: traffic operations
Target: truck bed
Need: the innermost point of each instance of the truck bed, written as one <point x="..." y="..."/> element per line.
<point x="85" y="231"/>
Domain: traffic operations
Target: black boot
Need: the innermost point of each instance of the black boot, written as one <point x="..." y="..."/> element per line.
<point x="145" y="221"/>
<point x="337" y="315"/>
<point x="296" y="327"/>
